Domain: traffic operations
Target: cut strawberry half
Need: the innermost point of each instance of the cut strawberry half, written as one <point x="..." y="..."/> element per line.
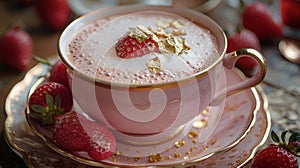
<point x="129" y="47"/>
<point x="69" y="132"/>
<point x="73" y="132"/>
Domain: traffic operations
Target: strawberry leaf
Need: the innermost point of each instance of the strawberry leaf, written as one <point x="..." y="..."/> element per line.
<point x="38" y="108"/>
<point x="283" y="137"/>
<point x="35" y="115"/>
<point x="297" y="150"/>
<point x="57" y="101"/>
<point x="49" y="100"/>
<point x="274" y="137"/>
<point x="295" y="137"/>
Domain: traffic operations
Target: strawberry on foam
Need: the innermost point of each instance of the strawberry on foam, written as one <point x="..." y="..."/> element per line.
<point x="93" y="50"/>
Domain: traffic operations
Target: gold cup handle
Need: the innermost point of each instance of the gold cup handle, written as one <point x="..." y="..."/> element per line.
<point x="229" y="63"/>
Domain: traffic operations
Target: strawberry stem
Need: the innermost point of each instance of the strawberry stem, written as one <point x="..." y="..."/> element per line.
<point x="242" y="5"/>
<point x="48" y="112"/>
<point x="42" y="60"/>
<point x="293" y="144"/>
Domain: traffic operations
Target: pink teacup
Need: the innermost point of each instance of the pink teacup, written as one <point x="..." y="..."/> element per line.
<point x="153" y="108"/>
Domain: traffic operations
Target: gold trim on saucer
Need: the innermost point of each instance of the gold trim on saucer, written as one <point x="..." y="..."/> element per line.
<point x="265" y="109"/>
<point x="104" y="164"/>
<point x="258" y="105"/>
<point x="15" y="123"/>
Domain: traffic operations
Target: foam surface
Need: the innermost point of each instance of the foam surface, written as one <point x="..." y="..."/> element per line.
<point x="93" y="50"/>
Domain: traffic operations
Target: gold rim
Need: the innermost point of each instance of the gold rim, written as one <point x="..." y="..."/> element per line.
<point x="127" y="9"/>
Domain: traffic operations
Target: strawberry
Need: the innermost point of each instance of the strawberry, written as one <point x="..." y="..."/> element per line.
<point x="74" y="132"/>
<point x="54" y="14"/>
<point x="257" y="17"/>
<point x="290" y="13"/>
<point x="49" y="100"/>
<point x="69" y="133"/>
<point x="102" y="142"/>
<point x="244" y="39"/>
<point x="58" y="73"/>
<point x="282" y="155"/>
<point x="16" y="48"/>
<point x="130" y="47"/>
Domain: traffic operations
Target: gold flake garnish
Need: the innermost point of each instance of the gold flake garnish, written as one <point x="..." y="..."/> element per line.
<point x="192" y="134"/>
<point x="163" y="24"/>
<point x="151" y="35"/>
<point x="205" y="112"/>
<point x="176" y="155"/>
<point x="148" y="33"/>
<point x="161" y="33"/>
<point x="168" y="36"/>
<point x="200" y="124"/>
<point x="176" y="45"/>
<point x="137" y="158"/>
<point x="171" y="41"/>
<point x="114" y="159"/>
<point x="154" y="65"/>
<point x="138" y="34"/>
<point x="194" y="140"/>
<point x="117" y="153"/>
<point x="168" y="149"/>
<point x="192" y="149"/>
<point x="177" y="32"/>
<point x="176" y="24"/>
<point x="169" y="157"/>
<point x="213" y="141"/>
<point x="155" y="158"/>
<point x="179" y="144"/>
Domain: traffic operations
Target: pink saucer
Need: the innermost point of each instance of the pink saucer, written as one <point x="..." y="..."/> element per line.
<point x="230" y="132"/>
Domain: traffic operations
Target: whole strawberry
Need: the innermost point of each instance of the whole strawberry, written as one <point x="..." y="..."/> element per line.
<point x="48" y="100"/>
<point x="290" y="13"/>
<point x="53" y="13"/>
<point x="16" y="48"/>
<point x="58" y="73"/>
<point x="74" y="132"/>
<point x="282" y="155"/>
<point x="257" y="17"/>
<point x="244" y="39"/>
